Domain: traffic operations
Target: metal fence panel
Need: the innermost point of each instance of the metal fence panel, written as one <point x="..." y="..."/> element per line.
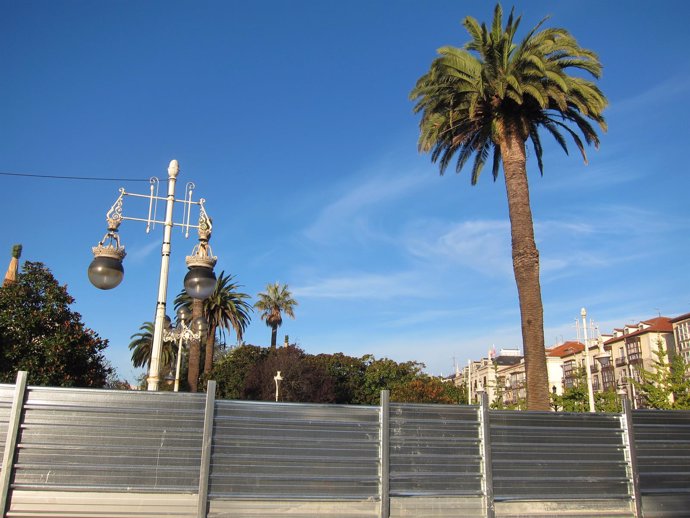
<point x="6" y="394"/>
<point x="662" y="444"/>
<point x="434" y="450"/>
<point x="551" y="456"/>
<point x="302" y="451"/>
<point x="662" y="441"/>
<point x="110" y="440"/>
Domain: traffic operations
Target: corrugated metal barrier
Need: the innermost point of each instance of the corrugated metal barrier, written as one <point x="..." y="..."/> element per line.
<point x="98" y="453"/>
<point x="662" y="444"/>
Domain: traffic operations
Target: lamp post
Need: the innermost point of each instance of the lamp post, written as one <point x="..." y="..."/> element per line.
<point x="182" y="333"/>
<point x="590" y="391"/>
<point x="106" y="271"/>
<point x="277" y="378"/>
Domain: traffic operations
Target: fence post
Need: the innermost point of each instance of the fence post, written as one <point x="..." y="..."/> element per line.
<point x="11" y="440"/>
<point x="629" y="438"/>
<point x="385" y="455"/>
<point x="205" y="467"/>
<point x="485" y="437"/>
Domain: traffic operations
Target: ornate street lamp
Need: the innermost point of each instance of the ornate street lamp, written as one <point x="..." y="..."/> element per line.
<point x="183" y="332"/>
<point x="106" y="271"/>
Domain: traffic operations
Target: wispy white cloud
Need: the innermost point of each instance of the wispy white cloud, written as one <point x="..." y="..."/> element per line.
<point x="664" y="91"/>
<point x="348" y="215"/>
<point x="141" y="252"/>
<point x="481" y="245"/>
<point x="363" y="286"/>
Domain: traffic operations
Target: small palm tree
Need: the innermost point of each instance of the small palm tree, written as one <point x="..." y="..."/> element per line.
<point x="142" y="344"/>
<point x="276" y="301"/>
<point x="487" y="100"/>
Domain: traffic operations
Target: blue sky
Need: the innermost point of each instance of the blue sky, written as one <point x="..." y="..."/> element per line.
<point x="293" y="120"/>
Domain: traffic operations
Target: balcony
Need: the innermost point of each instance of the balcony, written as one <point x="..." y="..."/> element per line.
<point x="620" y="362"/>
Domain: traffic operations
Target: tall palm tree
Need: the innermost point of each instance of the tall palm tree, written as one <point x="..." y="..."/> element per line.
<point x="141" y="345"/>
<point x="487" y="100"/>
<point x="276" y="301"/>
<point x="227" y="308"/>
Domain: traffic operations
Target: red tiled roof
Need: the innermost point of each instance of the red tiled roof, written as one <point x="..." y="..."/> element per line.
<point x="680" y="317"/>
<point x="565" y="349"/>
<point x="656" y="325"/>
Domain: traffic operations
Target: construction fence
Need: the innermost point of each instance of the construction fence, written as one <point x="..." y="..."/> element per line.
<point x="101" y="453"/>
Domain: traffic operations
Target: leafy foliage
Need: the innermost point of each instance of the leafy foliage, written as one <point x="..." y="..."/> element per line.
<point x="667" y="386"/>
<point x="607" y="401"/>
<point x="40" y="334"/>
<point x="427" y="389"/>
<point x="231" y="371"/>
<point x="247" y="372"/>
<point x="471" y="95"/>
<point x="303" y="381"/>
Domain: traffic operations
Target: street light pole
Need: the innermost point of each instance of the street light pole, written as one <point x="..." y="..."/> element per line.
<point x="106" y="271"/>
<point x="154" y="371"/>
<point x="590" y="391"/>
<point x="184" y="332"/>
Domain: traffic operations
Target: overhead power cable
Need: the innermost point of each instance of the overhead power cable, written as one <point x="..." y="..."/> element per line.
<point x="94" y="178"/>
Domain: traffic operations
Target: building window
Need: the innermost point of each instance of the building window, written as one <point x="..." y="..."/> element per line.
<point x="634" y="349"/>
<point x="620" y="361"/>
<point x="608" y="379"/>
<point x="683" y="336"/>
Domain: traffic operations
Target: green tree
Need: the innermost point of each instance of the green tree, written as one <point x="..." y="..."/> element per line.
<point x="273" y="303"/>
<point x="429" y="390"/>
<point x="347" y="372"/>
<point x="487" y="100"/>
<point x="385" y="374"/>
<point x="303" y="381"/>
<point x="40" y="334"/>
<point x="667" y="385"/>
<point x="226" y="309"/>
<point x="232" y="370"/>
<point x="576" y="397"/>
<point x="607" y="401"/>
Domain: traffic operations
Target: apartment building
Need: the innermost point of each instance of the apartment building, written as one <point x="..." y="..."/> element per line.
<point x="489" y="374"/>
<point x="681" y="335"/>
<point x="634" y="348"/>
<point x="614" y="360"/>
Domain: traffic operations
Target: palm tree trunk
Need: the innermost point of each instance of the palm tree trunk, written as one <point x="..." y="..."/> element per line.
<point x="210" y="349"/>
<point x="195" y="349"/>
<point x="526" y="269"/>
<point x="274" y="337"/>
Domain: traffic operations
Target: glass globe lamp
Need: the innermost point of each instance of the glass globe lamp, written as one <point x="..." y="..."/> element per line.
<point x="200" y="282"/>
<point x="183" y="314"/>
<point x="199" y="325"/>
<point x="106" y="272"/>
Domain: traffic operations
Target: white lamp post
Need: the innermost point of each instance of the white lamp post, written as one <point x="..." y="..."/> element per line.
<point x="590" y="391"/>
<point x="277" y="378"/>
<point x="106" y="271"/>
<point x="183" y="332"/>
